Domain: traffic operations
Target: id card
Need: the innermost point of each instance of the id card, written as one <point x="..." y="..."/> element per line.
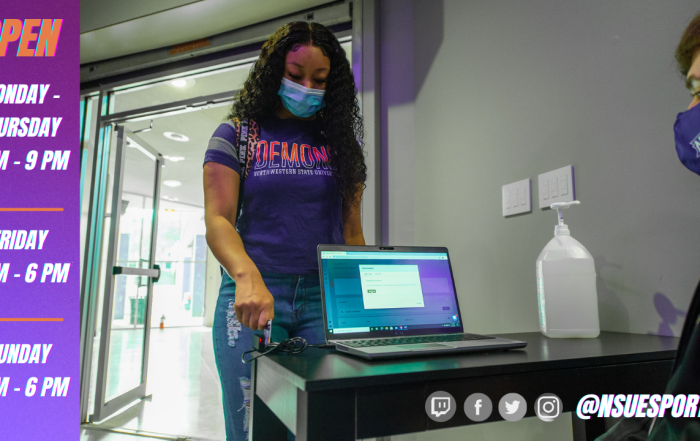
<point x="268" y="332"/>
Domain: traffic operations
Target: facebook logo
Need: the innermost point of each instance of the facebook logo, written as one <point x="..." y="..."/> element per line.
<point x="478" y="407"/>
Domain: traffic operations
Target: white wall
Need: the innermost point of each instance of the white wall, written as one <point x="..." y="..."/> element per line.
<point x="477" y="94"/>
<point x="397" y="119"/>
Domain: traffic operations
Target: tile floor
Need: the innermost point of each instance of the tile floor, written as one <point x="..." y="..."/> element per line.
<point x="185" y="388"/>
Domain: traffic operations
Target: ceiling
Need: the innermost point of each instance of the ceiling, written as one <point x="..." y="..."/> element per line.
<point x="112" y="29"/>
<point x="208" y="83"/>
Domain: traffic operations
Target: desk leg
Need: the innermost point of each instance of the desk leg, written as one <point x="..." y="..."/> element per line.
<point x="264" y="424"/>
<point x="327" y="415"/>
<point x="587" y="430"/>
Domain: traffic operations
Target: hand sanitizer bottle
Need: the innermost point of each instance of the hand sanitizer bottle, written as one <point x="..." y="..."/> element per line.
<point x="566" y="285"/>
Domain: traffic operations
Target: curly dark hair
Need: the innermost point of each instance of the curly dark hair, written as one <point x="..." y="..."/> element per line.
<point x="341" y="118"/>
<point x="689" y="44"/>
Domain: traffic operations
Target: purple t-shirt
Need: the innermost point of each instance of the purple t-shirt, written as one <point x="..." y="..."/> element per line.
<point x="290" y="200"/>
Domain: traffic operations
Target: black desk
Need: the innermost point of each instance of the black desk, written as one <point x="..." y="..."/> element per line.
<point x="326" y="395"/>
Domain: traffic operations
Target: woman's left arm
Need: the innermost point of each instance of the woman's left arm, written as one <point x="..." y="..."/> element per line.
<point x="352" y="223"/>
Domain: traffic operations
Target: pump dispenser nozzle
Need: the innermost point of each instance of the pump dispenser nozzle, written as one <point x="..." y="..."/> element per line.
<point x="561" y="228"/>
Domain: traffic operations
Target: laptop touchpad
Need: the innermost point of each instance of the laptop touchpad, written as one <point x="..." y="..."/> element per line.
<point x="422" y="346"/>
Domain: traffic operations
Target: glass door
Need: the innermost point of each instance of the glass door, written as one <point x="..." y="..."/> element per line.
<point x="131" y="271"/>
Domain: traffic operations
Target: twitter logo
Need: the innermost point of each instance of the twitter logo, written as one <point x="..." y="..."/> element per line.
<point x="512" y="407"/>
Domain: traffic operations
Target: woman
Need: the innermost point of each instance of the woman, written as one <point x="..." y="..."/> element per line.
<point x="686" y="367"/>
<point x="685" y="377"/>
<point x="304" y="174"/>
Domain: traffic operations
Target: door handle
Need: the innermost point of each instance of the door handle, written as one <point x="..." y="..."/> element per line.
<point x="156" y="278"/>
<point x="153" y="273"/>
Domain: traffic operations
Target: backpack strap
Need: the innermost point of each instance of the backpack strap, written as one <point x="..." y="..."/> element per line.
<point x="241" y="140"/>
<point x="245" y="155"/>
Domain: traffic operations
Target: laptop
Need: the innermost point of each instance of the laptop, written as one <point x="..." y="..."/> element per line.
<point x="385" y="302"/>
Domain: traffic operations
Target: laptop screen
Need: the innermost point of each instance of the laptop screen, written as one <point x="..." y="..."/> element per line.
<point x="387" y="293"/>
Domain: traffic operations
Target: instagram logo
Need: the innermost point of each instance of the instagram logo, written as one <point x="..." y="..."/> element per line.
<point x="548" y="407"/>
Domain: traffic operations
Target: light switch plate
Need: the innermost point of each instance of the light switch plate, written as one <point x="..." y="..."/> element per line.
<point x="516" y="198"/>
<point x="556" y="186"/>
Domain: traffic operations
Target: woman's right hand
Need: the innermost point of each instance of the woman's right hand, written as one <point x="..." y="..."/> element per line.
<point x="254" y="304"/>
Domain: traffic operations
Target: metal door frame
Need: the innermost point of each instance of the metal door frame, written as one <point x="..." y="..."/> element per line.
<point x="105" y="129"/>
<point x="103" y="408"/>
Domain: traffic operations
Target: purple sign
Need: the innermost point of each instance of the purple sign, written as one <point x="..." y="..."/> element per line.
<point x="39" y="220"/>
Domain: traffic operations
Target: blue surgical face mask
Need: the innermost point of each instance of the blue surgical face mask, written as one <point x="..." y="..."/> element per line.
<point x="687" y="130"/>
<point x="301" y="101"/>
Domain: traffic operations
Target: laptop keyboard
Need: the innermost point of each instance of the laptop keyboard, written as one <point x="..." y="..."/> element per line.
<point x="411" y="340"/>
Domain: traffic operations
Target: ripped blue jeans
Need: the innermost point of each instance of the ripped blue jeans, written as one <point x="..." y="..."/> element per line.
<point x="297" y="313"/>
